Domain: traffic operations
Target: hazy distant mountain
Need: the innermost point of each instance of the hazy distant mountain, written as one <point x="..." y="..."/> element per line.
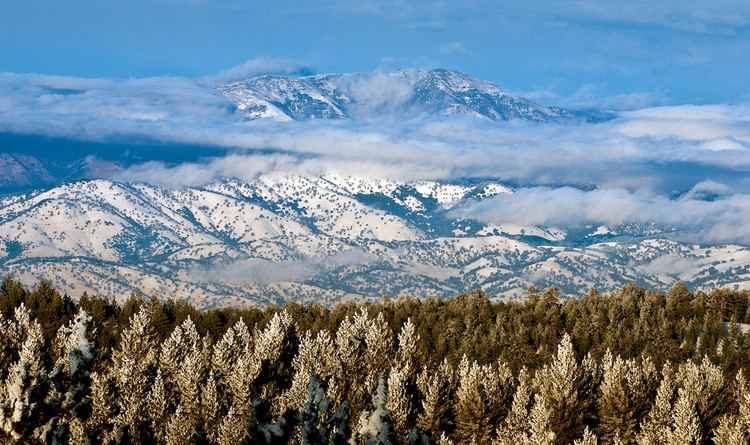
<point x="403" y="93"/>
<point x="323" y="239"/>
<point x="31" y="161"/>
<point x="22" y="170"/>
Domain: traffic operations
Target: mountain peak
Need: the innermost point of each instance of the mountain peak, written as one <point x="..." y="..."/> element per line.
<point x="405" y="93"/>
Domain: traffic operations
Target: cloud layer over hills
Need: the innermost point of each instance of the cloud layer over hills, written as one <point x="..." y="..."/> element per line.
<point x="684" y="166"/>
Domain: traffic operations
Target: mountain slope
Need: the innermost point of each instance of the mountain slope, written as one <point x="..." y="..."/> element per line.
<point x="404" y="93"/>
<point x="322" y="239"/>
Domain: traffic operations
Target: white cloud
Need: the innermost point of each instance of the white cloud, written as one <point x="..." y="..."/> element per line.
<point x="452" y="48"/>
<point x="697" y="17"/>
<point x="707" y="221"/>
<point x="706" y="189"/>
<point x="256" y="67"/>
<point x="638" y="161"/>
<point x="94" y="108"/>
<point x="673" y="265"/>
<point x="378" y="95"/>
<point x="593" y="96"/>
<point x="689" y="122"/>
<point x="258" y="270"/>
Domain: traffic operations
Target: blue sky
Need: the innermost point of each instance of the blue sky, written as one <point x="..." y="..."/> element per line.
<point x="555" y="51"/>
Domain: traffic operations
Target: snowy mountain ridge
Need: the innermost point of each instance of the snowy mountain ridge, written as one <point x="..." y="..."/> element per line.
<point x="322" y="239"/>
<point x="409" y="92"/>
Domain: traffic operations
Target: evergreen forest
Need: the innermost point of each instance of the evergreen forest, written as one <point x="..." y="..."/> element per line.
<point x="632" y="366"/>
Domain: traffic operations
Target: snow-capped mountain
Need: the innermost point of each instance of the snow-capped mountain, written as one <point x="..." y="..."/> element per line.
<point x="38" y="160"/>
<point x="404" y="93"/>
<point x="323" y="239"/>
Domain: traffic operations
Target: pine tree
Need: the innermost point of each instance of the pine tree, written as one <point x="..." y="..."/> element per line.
<point x="316" y="356"/>
<point x="527" y="423"/>
<point x="25" y="387"/>
<point x="180" y="428"/>
<point x="67" y="397"/>
<point x="269" y="385"/>
<point x="734" y="429"/>
<point x="399" y="400"/>
<point x="274" y="352"/>
<point x="656" y="428"/>
<point x="235" y="342"/>
<point x="8" y="345"/>
<point x="320" y="423"/>
<point x="588" y="438"/>
<point x="437" y="388"/>
<point x="704" y="385"/>
<point x="562" y="383"/>
<point x="363" y="348"/>
<point x="235" y="367"/>
<point x="678" y="300"/>
<point x="514" y="428"/>
<point x="730" y="432"/>
<point x="240" y="382"/>
<point x="184" y="365"/>
<point x="685" y="424"/>
<point x="103" y="409"/>
<point x="624" y="396"/>
<point x="134" y="366"/>
<point x="374" y="428"/>
<point x="483" y="397"/>
<point x="210" y="408"/>
<point x="378" y="352"/>
<point x="407" y="344"/>
<point x="158" y="408"/>
<point x="175" y="349"/>
<point x="616" y="418"/>
<point x="540" y="429"/>
<point x="232" y="429"/>
<point x="256" y="378"/>
<point x="190" y="379"/>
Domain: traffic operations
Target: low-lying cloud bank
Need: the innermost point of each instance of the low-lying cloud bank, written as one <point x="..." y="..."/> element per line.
<point x="707" y="213"/>
<point x="257" y="270"/>
<point x="681" y="166"/>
